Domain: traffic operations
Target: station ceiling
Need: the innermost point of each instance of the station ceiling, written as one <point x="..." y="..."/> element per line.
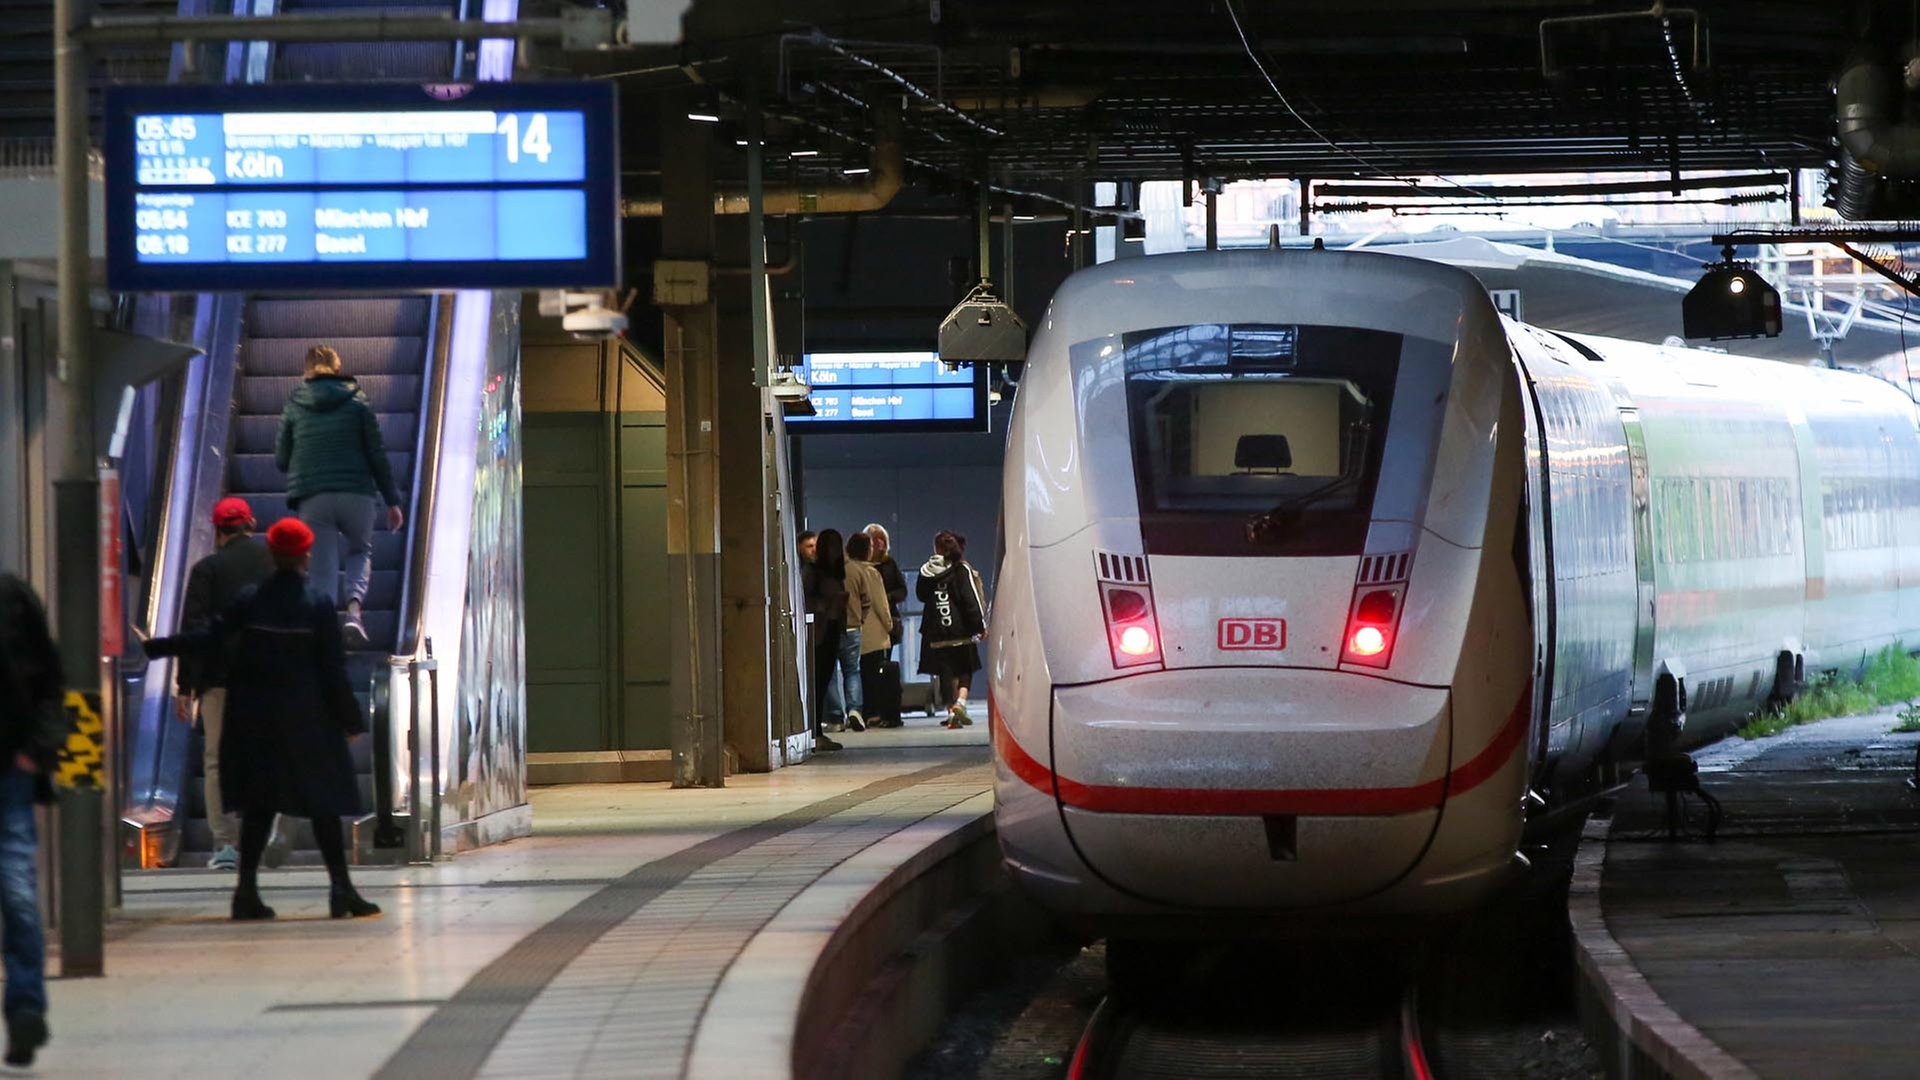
<point x="1072" y="91"/>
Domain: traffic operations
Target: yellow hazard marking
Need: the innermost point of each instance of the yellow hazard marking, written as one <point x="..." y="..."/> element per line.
<point x="82" y="762"/>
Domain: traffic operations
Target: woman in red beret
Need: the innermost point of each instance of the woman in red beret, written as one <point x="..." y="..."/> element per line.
<point x="290" y="711"/>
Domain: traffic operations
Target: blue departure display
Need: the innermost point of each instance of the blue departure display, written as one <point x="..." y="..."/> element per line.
<point x="359" y="187"/>
<point x="898" y="391"/>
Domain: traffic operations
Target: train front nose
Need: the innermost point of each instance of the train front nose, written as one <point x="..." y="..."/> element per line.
<point x="1250" y="789"/>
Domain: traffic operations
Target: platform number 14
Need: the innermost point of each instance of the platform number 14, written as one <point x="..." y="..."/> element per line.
<point x="534" y="143"/>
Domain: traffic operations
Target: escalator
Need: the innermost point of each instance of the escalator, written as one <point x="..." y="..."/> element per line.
<point x="397" y="348"/>
<point x="386" y="344"/>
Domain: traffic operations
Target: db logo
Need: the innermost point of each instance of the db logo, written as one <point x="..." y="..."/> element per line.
<point x="1253" y="634"/>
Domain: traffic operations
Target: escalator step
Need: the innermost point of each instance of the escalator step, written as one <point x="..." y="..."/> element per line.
<point x="304" y="62"/>
<point x="271" y="506"/>
<point x="375" y="317"/>
<point x="286" y="357"/>
<point x="255" y="433"/>
<point x="259" y="395"/>
<point x="259" y="472"/>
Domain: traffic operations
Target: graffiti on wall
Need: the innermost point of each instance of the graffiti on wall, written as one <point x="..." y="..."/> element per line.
<point x="489" y="752"/>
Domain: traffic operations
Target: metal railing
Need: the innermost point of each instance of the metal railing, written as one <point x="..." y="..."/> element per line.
<point x="28" y="158"/>
<point x="407" y="653"/>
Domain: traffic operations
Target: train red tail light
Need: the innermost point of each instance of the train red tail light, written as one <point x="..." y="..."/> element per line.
<point x="1367" y="641"/>
<point x="1371" y="626"/>
<point x="1133" y="637"/>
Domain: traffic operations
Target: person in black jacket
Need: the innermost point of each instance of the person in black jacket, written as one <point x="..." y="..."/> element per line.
<point x="290" y="711"/>
<point x="827" y="600"/>
<point x="896" y="586"/>
<point x="33" y="727"/>
<point x="329" y="446"/>
<point x="808" y="545"/>
<point x="239" y="560"/>
<point x="955" y="618"/>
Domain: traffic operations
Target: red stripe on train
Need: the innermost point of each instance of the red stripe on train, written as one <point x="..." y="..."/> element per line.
<point x="1249" y="802"/>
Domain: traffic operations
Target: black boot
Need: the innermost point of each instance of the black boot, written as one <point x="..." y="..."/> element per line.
<point x="26" y="1034"/>
<point x="348" y="904"/>
<point x="247" y="906"/>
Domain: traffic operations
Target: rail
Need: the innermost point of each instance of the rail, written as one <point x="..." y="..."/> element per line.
<point x="412" y="613"/>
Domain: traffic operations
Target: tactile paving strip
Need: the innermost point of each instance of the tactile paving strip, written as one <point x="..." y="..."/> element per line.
<point x="456" y="1042"/>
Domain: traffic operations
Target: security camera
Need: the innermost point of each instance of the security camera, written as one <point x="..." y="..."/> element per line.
<point x="590" y="316"/>
<point x="594" y="323"/>
<point x="787" y="386"/>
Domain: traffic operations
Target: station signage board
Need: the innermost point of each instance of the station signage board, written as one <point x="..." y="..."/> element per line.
<point x="890" y="391"/>
<point x="371" y="186"/>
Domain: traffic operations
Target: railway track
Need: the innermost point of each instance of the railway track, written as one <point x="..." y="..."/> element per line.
<point x="1126" y="1039"/>
<point x="1493" y="998"/>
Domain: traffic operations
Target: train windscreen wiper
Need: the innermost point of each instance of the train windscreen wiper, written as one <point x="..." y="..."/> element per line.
<point x="1266" y="527"/>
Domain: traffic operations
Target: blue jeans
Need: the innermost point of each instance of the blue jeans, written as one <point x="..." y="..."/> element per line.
<point x="23" y="945"/>
<point x="848" y="663"/>
<point x="341" y="520"/>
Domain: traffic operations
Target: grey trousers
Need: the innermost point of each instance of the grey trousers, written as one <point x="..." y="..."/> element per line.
<point x="342" y="524"/>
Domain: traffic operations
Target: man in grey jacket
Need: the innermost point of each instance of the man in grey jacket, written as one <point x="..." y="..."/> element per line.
<point x="329" y="446"/>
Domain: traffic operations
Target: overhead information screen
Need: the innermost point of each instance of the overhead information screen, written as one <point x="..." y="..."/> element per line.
<point x="890" y="391"/>
<point x="496" y="185"/>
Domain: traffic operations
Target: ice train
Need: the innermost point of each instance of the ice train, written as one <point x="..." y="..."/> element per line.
<point x="1317" y="573"/>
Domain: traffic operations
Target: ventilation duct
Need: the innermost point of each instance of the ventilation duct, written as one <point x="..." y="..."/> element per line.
<point x="1875" y="145"/>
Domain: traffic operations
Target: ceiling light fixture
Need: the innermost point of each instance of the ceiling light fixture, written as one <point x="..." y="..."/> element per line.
<point x="804" y="153"/>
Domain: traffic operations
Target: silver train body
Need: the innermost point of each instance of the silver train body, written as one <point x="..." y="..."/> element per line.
<point x="1316" y="572"/>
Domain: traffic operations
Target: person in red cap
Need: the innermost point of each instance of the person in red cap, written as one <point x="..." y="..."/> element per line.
<point x="290" y="711"/>
<point x="239" y="560"/>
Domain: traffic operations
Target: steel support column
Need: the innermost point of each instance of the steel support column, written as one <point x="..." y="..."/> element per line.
<point x="83" y="813"/>
<point x="693" y="521"/>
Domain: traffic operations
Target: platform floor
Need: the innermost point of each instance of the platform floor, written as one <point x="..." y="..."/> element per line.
<point x="589" y="949"/>
<point x="1793" y="942"/>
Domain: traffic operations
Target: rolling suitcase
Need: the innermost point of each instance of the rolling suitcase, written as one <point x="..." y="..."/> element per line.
<point x="883" y="696"/>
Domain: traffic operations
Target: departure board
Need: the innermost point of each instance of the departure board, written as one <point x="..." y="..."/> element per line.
<point x="891" y="391"/>
<point x="263" y="188"/>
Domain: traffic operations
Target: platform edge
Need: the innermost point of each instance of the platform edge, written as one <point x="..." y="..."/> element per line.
<point x="1635" y="1031"/>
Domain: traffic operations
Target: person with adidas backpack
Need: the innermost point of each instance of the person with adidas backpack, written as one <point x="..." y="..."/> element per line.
<point x="954" y="620"/>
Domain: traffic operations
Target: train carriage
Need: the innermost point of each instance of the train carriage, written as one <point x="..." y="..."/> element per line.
<point x="1318" y="573"/>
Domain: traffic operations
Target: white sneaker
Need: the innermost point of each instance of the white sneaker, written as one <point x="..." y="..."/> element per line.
<point x="856" y="721"/>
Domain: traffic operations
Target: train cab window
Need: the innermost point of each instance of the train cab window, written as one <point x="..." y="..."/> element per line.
<point x="1259" y="440"/>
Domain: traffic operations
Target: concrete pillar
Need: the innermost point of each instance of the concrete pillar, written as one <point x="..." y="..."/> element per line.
<point x="683" y="288"/>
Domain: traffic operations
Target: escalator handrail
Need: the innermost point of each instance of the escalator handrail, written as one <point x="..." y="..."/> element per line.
<point x="426" y="466"/>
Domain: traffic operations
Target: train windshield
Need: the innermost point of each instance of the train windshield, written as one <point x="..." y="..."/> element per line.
<point x="1258" y="439"/>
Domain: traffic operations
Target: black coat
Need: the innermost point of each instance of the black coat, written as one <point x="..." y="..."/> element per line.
<point x="826" y="594"/>
<point x="896" y="583"/>
<point x="33" y="716"/>
<point x="215" y="583"/>
<point x="290" y="707"/>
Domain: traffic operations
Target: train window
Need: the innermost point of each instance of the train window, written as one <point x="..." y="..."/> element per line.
<point x="1260" y="440"/>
